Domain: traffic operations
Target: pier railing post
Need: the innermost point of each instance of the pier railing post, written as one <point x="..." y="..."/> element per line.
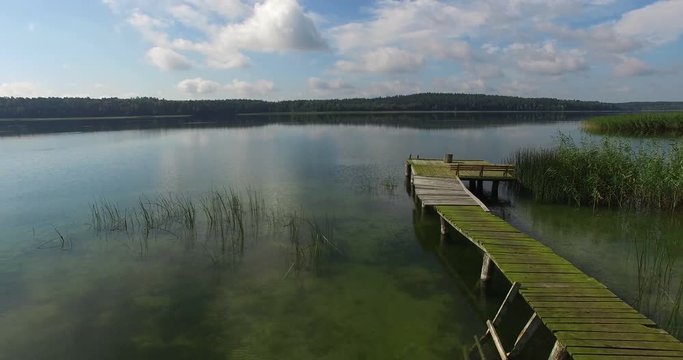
<point x="559" y="352"/>
<point x="486" y="266"/>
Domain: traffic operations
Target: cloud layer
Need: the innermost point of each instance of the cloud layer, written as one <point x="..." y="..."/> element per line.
<point x="493" y="46"/>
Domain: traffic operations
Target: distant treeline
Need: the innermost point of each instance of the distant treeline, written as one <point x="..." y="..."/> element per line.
<point x="145" y="106"/>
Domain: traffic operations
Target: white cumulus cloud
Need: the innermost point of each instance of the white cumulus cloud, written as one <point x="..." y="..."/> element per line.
<point x="546" y="59"/>
<point x="629" y="67"/>
<point x="246" y="89"/>
<point x="20" y="89"/>
<point x="238" y="88"/>
<point x="388" y="59"/>
<point x="198" y="86"/>
<point x="657" y="23"/>
<point x="224" y="29"/>
<point x="167" y="59"/>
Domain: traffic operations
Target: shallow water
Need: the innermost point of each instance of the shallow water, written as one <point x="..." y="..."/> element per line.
<point x="388" y="290"/>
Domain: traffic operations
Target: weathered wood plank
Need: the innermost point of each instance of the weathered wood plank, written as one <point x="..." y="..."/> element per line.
<point x="618" y="328"/>
<point x="605" y="335"/>
<point x="623" y="357"/>
<point x="496" y="340"/>
<point x="615" y="304"/>
<point x="551" y="321"/>
<point x="578" y="351"/>
<point x="531" y="297"/>
<point x="626" y="344"/>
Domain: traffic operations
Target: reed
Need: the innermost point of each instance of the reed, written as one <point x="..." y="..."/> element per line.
<point x="648" y="124"/>
<point x="610" y="174"/>
<point x="306" y="253"/>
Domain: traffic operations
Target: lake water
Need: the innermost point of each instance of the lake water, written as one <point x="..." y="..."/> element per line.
<point x="375" y="285"/>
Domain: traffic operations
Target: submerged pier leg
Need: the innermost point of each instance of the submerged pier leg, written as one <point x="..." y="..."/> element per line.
<point x="494" y="189"/>
<point x="480" y="186"/>
<point x="486" y="266"/>
<point x="559" y="352"/>
<point x="444" y="228"/>
<point x="473" y="185"/>
<point x="525" y="335"/>
<point x="407" y="169"/>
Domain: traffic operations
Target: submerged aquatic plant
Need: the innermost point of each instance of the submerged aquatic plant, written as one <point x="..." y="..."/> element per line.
<point x="610" y="173"/>
<point x="306" y="253"/>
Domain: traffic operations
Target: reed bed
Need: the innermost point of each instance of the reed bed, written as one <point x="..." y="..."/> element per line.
<point x="609" y="174"/>
<point x="648" y="124"/>
<point x="232" y="220"/>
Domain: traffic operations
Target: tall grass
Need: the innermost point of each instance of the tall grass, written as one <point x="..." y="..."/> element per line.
<point x="650" y="124"/>
<point x="658" y="294"/>
<point x="231" y="219"/>
<point x="610" y="173"/>
<point x="307" y="252"/>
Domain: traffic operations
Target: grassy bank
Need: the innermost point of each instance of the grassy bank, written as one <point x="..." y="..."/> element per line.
<point x="610" y="174"/>
<point x="649" y="124"/>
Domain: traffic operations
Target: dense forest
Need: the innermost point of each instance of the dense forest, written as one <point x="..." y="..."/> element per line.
<point x="53" y="107"/>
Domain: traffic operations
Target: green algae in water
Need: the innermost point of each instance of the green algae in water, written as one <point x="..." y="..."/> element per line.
<point x="106" y="299"/>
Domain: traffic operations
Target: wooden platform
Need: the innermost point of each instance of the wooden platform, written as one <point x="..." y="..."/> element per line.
<point x="437" y="168"/>
<point x="587" y="319"/>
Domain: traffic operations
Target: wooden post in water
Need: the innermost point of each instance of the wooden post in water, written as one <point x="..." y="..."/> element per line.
<point x="444" y="229"/>
<point x="407" y="169"/>
<point x="559" y="352"/>
<point x="480" y="186"/>
<point x="486" y="268"/>
<point x="473" y="185"/>
<point x="448" y="158"/>
<point x="494" y="188"/>
<point x="525" y="335"/>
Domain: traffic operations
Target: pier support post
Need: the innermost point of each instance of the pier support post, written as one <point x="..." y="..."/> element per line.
<point x="480" y="186"/>
<point x="444" y="229"/>
<point x="559" y="352"/>
<point x="525" y="335"/>
<point x="494" y="189"/>
<point x="486" y="266"/>
<point x="448" y="158"/>
<point x="407" y="169"/>
<point x="473" y="185"/>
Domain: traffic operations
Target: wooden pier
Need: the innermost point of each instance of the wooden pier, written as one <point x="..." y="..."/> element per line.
<point x="587" y="320"/>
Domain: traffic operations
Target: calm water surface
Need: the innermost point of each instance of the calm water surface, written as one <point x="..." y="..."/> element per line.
<point x="385" y="289"/>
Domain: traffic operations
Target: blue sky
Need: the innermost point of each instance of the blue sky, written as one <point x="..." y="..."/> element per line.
<point x="604" y="50"/>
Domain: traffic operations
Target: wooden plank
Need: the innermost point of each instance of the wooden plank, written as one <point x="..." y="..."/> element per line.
<point x="614" y="304"/>
<point x="627" y="344"/>
<point x="551" y="321"/>
<point x="530" y="279"/>
<point x="623" y="357"/>
<point x="545" y="268"/>
<point x="606" y="335"/>
<point x="587" y="313"/>
<point x="588" y="284"/>
<point x="479" y="348"/>
<point x="565" y="299"/>
<point x="496" y="340"/>
<point x="578" y="350"/>
<point x="549" y="291"/>
<point x="525" y="335"/>
<point x="619" y="329"/>
<point x="509" y="298"/>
